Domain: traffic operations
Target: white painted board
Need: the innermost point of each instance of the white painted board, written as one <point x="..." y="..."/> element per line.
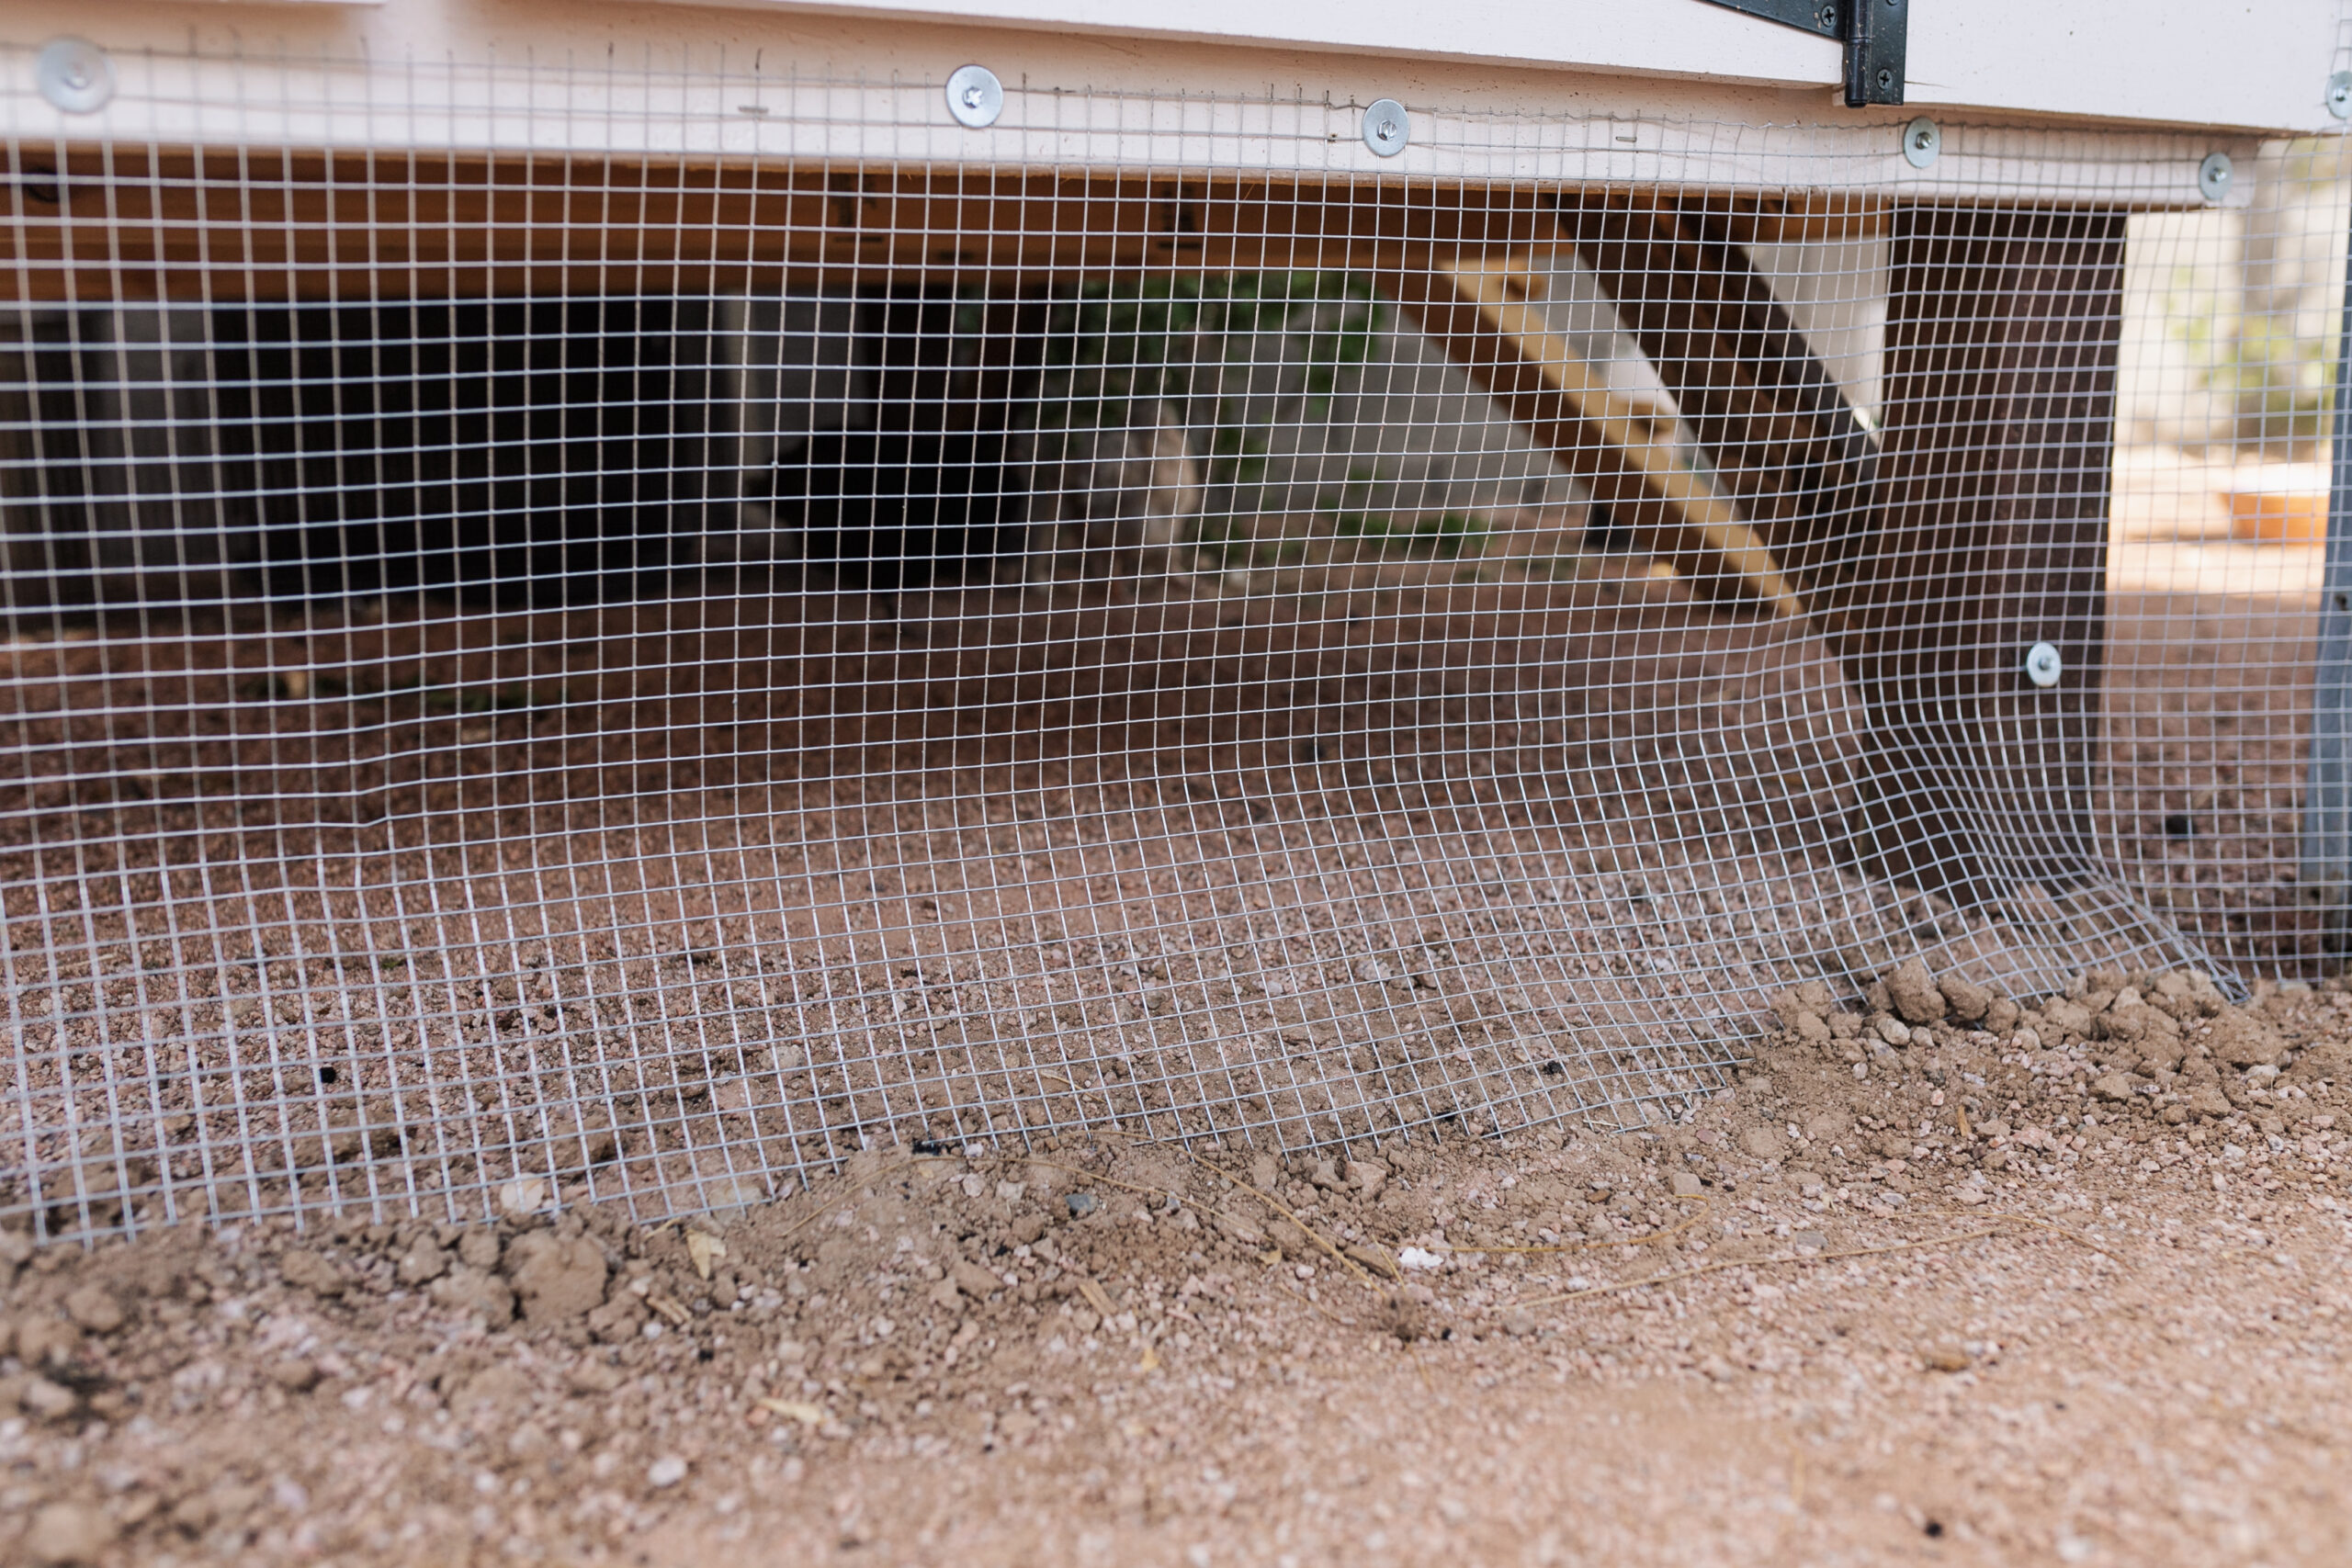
<point x="2255" y="64"/>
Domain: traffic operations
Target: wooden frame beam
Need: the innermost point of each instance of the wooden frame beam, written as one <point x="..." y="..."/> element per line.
<point x="1485" y="312"/>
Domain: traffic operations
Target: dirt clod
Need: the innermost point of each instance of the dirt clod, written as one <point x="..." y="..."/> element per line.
<point x="974" y="1281"/>
<point x="46" y="1400"/>
<point x="1968" y="1000"/>
<point x="310" y="1270"/>
<point x="67" y="1535"/>
<point x="476" y="1294"/>
<point x="423" y="1263"/>
<point x="1914" y="993"/>
<point x="295" y="1374"/>
<point x="1945" y="1355"/>
<point x="556" y="1279"/>
<point x="96" y="1308"/>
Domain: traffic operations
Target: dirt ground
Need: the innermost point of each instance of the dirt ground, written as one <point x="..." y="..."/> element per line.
<point x="1943" y="1279"/>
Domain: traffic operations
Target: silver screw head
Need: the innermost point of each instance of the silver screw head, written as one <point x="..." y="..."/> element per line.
<point x="2339" y="95"/>
<point x="1921" y="142"/>
<point x="74" y="75"/>
<point x="2213" y="177"/>
<point x="975" y="96"/>
<point x="2043" y="665"/>
<point x="1386" y="128"/>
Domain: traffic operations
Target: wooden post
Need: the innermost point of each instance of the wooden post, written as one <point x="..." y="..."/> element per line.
<point x="1932" y="558"/>
<point x="1990" y="535"/>
<point x="2326" y="872"/>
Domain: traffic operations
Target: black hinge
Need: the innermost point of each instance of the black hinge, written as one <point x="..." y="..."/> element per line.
<point x="1872" y="31"/>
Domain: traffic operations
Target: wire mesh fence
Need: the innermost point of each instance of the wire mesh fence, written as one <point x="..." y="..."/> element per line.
<point x="628" y="673"/>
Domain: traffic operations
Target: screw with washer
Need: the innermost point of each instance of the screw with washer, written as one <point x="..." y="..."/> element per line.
<point x="74" y="75"/>
<point x="2043" y="665"/>
<point x="2213" y="177"/>
<point x="1386" y="128"/>
<point x="2339" y="95"/>
<point x="975" y="96"/>
<point x="1921" y="142"/>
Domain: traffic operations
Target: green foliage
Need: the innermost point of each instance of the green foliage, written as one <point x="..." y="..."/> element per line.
<point x="1195" y="342"/>
<point x="1239" y="356"/>
<point x="2280" y="384"/>
<point x="1447" y="534"/>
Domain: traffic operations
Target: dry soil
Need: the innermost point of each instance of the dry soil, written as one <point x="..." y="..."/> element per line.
<point x="1943" y="1279"/>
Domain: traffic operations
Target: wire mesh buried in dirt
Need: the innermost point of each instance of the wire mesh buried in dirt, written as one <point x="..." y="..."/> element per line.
<point x="830" y="652"/>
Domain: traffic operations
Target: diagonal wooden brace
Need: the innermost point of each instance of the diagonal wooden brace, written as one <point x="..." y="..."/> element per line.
<point x="1484" y="309"/>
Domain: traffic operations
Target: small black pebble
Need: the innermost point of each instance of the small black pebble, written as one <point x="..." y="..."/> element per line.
<point x="930" y="1147"/>
<point x="1935" y="1528"/>
<point x="2179" y="826"/>
<point x="1554" y="1069"/>
<point x="326" y="1074"/>
<point x="704" y="1354"/>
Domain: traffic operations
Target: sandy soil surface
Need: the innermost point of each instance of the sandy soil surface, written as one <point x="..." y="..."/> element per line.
<point x="1942" y="1279"/>
<point x="2208" y="709"/>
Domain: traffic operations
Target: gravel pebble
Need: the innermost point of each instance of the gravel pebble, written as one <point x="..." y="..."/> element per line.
<point x="295" y="1374"/>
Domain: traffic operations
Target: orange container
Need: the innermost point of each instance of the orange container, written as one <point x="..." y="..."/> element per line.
<point x="2278" y="516"/>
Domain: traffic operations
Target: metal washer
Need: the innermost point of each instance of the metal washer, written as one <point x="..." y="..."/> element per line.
<point x="74" y="75"/>
<point x="975" y="96"/>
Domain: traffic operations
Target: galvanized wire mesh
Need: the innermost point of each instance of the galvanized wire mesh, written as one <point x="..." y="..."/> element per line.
<point x="568" y="643"/>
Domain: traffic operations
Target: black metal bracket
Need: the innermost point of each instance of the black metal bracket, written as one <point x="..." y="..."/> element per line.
<point x="1874" y="32"/>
